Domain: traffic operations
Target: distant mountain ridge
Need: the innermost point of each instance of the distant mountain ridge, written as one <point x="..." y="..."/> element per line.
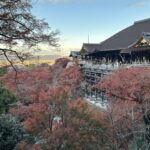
<point x="36" y="57"/>
<point x="45" y="57"/>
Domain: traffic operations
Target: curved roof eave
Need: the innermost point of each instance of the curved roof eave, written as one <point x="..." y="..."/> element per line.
<point x="126" y="37"/>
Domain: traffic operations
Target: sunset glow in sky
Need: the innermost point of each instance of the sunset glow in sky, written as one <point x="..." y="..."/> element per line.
<point x="100" y="19"/>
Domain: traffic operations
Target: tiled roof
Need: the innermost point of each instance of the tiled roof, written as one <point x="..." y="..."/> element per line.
<point x="90" y="47"/>
<point x="121" y="40"/>
<point x="74" y="53"/>
<point x="126" y="37"/>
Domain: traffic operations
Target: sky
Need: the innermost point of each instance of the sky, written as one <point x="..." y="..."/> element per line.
<point x="79" y="19"/>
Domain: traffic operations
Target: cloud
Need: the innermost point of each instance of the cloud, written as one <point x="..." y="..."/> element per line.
<point x="56" y="1"/>
<point x="139" y="3"/>
<point x="62" y="1"/>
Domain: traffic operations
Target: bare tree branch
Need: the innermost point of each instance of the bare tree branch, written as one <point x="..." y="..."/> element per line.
<point x="19" y="27"/>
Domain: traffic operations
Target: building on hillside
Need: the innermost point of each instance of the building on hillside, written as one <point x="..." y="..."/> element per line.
<point x="130" y="44"/>
<point x="129" y="47"/>
<point x="74" y="54"/>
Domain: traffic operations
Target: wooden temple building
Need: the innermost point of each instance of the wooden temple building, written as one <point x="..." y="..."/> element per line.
<point x="131" y="46"/>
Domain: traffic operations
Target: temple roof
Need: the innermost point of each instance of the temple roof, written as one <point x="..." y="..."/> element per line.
<point x="74" y="54"/>
<point x="122" y="40"/>
<point x="89" y="47"/>
<point x="126" y="37"/>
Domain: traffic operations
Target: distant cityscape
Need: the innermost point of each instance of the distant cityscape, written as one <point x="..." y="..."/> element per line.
<point x="48" y="59"/>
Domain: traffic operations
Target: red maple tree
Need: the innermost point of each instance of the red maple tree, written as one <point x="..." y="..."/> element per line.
<point x="50" y="108"/>
<point x="128" y="100"/>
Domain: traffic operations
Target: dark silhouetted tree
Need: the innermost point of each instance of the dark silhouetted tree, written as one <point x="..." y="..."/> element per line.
<point x="11" y="132"/>
<point x="6" y="99"/>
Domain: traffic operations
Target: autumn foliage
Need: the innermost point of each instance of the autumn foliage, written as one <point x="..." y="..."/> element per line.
<point x="51" y="109"/>
<point x="128" y="102"/>
<point x="128" y="84"/>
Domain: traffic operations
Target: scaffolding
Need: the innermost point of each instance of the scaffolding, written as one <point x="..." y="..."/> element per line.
<point x="94" y="73"/>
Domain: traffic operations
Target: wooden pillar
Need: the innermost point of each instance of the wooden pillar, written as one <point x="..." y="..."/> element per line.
<point x="96" y="94"/>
